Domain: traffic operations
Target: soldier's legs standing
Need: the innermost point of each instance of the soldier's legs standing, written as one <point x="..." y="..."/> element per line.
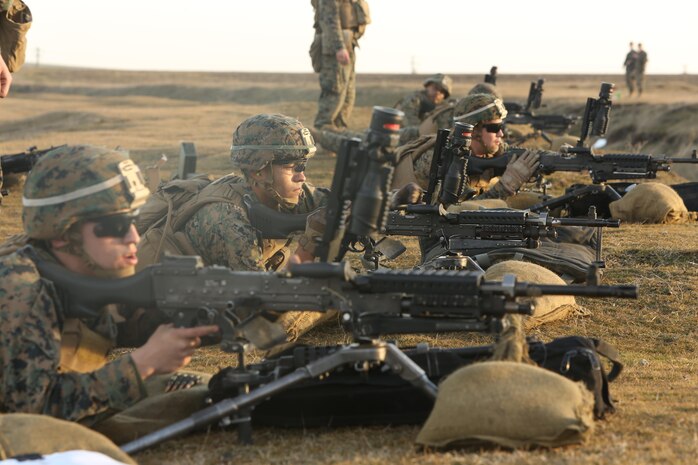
<point x="342" y="120"/>
<point x="334" y="79"/>
<point x="640" y="81"/>
<point x="630" y="81"/>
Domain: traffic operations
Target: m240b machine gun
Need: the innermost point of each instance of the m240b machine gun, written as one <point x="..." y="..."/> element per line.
<point x="369" y="306"/>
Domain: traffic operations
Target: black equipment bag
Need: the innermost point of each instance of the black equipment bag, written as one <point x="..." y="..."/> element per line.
<point x="348" y="397"/>
<point x="688" y="191"/>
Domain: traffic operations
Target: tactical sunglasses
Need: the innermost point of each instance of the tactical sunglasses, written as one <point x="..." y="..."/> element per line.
<point x="298" y="167"/>
<point x="114" y="225"/>
<point x="494" y="128"/>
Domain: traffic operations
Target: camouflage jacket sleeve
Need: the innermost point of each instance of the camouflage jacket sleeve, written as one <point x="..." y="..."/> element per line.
<point x="411" y="106"/>
<point x="332" y="36"/>
<point x="221" y="234"/>
<point x="30" y="355"/>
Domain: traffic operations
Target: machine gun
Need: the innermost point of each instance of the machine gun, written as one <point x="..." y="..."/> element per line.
<point x="22" y="162"/>
<point x="520" y="114"/>
<point x="601" y="168"/>
<point x="369" y="306"/>
<point x="491" y="78"/>
<point x="479" y="231"/>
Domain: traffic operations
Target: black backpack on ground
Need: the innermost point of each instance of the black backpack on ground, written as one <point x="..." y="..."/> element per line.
<point x="377" y="397"/>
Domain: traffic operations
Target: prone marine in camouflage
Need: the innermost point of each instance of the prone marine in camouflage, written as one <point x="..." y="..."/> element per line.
<point x="79" y="204"/>
<point x="486" y="113"/>
<point x="338" y="26"/>
<point x="271" y="151"/>
<point x="419" y="104"/>
<point x="416" y="106"/>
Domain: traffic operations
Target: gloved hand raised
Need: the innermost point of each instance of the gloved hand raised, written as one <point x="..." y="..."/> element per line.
<point x="520" y="169"/>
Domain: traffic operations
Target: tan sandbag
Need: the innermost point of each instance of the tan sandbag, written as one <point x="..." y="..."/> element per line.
<point x="508" y="404"/>
<point x="476" y="205"/>
<point x="548" y="307"/>
<point x="651" y="202"/>
<point x="22" y="433"/>
<point x="156" y="411"/>
<point x="524" y="200"/>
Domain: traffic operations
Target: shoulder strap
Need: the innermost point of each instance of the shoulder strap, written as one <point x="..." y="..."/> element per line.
<point x="611" y="353"/>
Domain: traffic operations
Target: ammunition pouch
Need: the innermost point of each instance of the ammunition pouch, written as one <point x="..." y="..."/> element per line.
<point x="315" y="52"/>
<point x="82" y="349"/>
<point x="14" y="24"/>
<point x="354" y="15"/>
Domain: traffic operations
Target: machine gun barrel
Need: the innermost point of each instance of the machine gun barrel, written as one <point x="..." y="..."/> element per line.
<point x="22" y="162"/>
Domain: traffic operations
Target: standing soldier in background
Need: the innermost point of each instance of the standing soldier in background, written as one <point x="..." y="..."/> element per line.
<point x="338" y="26"/>
<point x="15" y="20"/>
<point x="630" y="64"/>
<point x="640" y="68"/>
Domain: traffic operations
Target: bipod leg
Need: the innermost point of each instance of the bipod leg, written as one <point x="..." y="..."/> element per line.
<point x="378" y="351"/>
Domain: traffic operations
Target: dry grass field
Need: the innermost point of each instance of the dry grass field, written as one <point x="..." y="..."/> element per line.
<point x="150" y="113"/>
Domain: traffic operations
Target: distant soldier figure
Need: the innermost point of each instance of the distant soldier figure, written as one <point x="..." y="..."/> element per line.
<point x="417" y="104"/>
<point x="630" y="64"/>
<point x="640" y="68"/>
<point x="338" y="26"/>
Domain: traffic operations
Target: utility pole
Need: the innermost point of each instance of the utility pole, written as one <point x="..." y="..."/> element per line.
<point x="38" y="56"/>
<point x="414" y="65"/>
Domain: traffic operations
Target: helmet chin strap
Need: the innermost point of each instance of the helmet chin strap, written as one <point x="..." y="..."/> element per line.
<point x="268" y="187"/>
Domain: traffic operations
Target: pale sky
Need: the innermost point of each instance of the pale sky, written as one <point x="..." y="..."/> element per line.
<point x="450" y="36"/>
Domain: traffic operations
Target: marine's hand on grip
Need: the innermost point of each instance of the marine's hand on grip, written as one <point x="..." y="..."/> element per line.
<point x="520" y="169"/>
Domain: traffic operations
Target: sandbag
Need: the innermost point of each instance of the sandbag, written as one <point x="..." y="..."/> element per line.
<point x="476" y="205"/>
<point x="548" y="307"/>
<point x="508" y="404"/>
<point x="525" y="200"/>
<point x="651" y="202"/>
<point x="22" y="433"/>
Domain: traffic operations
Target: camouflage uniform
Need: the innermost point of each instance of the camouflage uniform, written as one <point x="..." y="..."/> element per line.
<point x="336" y="30"/>
<point x="630" y="64"/>
<point x="35" y="377"/>
<point x="640" y="70"/>
<point x="221" y="231"/>
<point x="416" y="106"/>
<point x="31" y="318"/>
<point x="420" y="152"/>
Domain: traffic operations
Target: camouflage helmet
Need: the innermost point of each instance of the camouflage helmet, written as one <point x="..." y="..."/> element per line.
<point x="476" y="108"/>
<point x="486" y="88"/>
<point x="264" y="139"/>
<point x="443" y="82"/>
<point x="72" y="183"/>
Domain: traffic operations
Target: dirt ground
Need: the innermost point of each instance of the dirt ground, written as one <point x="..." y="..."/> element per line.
<point x="150" y="113"/>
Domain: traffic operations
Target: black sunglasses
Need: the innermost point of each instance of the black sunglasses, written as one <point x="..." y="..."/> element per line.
<point x="113" y="225"/>
<point x="493" y="127"/>
<point x="298" y="167"/>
